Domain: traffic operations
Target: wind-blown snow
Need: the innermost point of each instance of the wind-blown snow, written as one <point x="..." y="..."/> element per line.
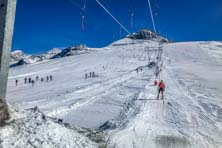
<point x="124" y="102"/>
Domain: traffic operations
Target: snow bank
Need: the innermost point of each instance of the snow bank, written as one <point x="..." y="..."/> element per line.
<point x="31" y="129"/>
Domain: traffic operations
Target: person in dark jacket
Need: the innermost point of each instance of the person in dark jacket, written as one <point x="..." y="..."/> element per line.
<point x="50" y="77"/>
<point x="30" y="80"/>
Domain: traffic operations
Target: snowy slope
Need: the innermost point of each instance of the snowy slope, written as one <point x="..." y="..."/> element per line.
<point x="191" y="115"/>
<point x="123" y="102"/>
<point x="69" y="94"/>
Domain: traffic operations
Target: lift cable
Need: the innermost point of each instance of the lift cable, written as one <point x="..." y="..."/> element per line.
<point x="152" y="18"/>
<point x="112" y="16"/>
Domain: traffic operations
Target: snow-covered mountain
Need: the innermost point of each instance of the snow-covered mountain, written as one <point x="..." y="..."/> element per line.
<point x="146" y="34"/>
<point x="52" y="53"/>
<point x="18" y="57"/>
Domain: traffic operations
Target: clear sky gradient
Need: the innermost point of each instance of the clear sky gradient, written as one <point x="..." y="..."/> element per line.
<point x="43" y="24"/>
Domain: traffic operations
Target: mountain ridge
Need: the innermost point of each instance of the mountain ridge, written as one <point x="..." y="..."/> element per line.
<point x="18" y="57"/>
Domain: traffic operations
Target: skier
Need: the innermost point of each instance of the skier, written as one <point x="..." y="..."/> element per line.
<point x="25" y="80"/>
<point x="50" y="77"/>
<point x="37" y="78"/>
<point x="33" y="82"/>
<point x="47" y="78"/>
<point x="16" y="82"/>
<point x="42" y="79"/>
<point x="161" y="88"/>
<point x="86" y="76"/>
<point x="30" y="80"/>
<point x="137" y="70"/>
<point x="93" y="74"/>
<point x="90" y="74"/>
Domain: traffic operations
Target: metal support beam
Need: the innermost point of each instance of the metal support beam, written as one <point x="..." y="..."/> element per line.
<point x="7" y="17"/>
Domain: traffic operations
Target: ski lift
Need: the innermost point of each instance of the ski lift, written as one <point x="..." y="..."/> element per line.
<point x="132" y="20"/>
<point x="131" y="14"/>
<point x="157" y="8"/>
<point x="84" y="6"/>
<point x="83" y="16"/>
<point x="83" y="26"/>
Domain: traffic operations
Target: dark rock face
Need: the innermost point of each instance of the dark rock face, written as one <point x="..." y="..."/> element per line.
<point x="19" y="63"/>
<point x="147" y="35"/>
<point x="70" y="51"/>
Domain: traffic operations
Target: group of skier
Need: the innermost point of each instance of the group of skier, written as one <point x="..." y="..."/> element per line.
<point x="91" y="75"/>
<point x="32" y="81"/>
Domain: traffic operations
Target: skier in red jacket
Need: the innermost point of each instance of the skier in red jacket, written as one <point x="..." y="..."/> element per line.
<point x="161" y="88"/>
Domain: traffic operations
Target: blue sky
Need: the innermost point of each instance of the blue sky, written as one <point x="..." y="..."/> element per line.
<point x="43" y="24"/>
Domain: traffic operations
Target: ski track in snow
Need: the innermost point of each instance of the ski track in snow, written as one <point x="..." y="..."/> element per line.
<point x="99" y="89"/>
<point x="178" y="122"/>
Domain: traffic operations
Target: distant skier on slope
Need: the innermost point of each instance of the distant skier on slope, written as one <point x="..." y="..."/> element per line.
<point x="50" y="77"/>
<point x="25" y="80"/>
<point x="30" y="80"/>
<point x="16" y="82"/>
<point x="161" y="88"/>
